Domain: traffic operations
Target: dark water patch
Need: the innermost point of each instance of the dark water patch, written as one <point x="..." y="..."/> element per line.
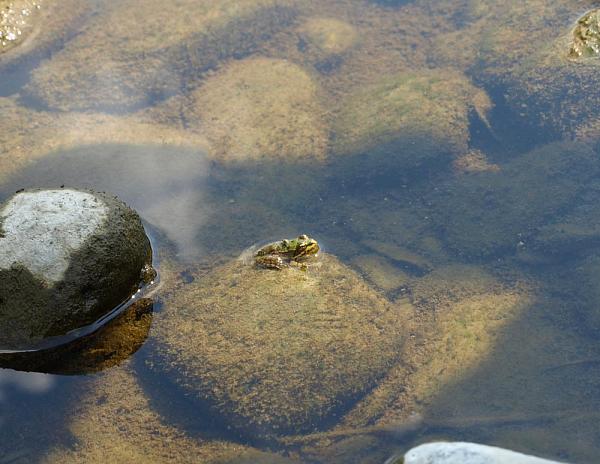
<point x="329" y="65"/>
<point x="512" y="133"/>
<point x="45" y="401"/>
<point x="392" y="3"/>
<point x="482" y="136"/>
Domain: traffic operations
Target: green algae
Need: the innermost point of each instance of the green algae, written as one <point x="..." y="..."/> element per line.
<point x="111" y="419"/>
<point x="248" y="113"/>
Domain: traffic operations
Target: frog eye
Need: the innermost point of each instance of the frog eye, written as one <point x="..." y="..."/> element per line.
<point x="303" y="237"/>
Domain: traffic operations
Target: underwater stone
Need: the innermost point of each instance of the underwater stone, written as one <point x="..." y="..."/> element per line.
<point x="248" y="112"/>
<point x="276" y="352"/>
<point x="119" y="63"/>
<point x="586" y="36"/>
<point x="15" y="18"/>
<point x="467" y="453"/>
<point x="67" y="257"/>
<point x="408" y="119"/>
<point x="331" y="36"/>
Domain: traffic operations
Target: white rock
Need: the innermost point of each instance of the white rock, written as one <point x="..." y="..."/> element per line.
<point x="467" y="453"/>
<point x="43" y="228"/>
<point x="67" y="258"/>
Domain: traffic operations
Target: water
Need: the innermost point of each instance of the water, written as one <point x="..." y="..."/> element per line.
<point x="445" y="152"/>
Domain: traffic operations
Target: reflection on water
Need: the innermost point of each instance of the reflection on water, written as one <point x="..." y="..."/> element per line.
<point x="30" y="382"/>
<point x="165" y="185"/>
<point x="445" y="152"/>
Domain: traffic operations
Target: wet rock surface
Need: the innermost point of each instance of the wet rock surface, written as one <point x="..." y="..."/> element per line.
<point x="586" y="36"/>
<point x="276" y="352"/>
<point x="15" y="18"/>
<point x="67" y="257"/>
<point x="111" y="345"/>
<point x="467" y="453"/>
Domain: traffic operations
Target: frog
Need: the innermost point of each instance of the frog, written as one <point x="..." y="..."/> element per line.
<point x="284" y="253"/>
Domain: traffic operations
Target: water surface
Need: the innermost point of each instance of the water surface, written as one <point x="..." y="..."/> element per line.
<point x="447" y="152"/>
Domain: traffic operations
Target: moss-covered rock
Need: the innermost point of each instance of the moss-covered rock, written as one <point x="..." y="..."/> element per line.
<point x="325" y="40"/>
<point x="408" y="119"/>
<point x="473" y="161"/>
<point x="261" y="109"/>
<point x="533" y="63"/>
<point x="277" y="352"/>
<point x="121" y="62"/>
<point x="112" y="420"/>
<point x="460" y="314"/>
<point x="586" y="36"/>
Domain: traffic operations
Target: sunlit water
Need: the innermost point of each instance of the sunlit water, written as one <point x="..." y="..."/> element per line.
<point x="410" y="138"/>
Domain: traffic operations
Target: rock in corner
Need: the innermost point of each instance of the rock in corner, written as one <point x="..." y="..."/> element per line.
<point x="467" y="453"/>
<point x="67" y="257"/>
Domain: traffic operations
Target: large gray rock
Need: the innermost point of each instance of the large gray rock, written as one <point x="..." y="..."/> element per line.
<point x="67" y="257"/>
<point x="467" y="453"/>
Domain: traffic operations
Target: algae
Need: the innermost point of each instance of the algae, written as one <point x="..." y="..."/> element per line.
<point x="112" y="420"/>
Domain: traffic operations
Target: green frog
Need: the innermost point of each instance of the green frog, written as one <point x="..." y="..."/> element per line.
<point x="278" y="255"/>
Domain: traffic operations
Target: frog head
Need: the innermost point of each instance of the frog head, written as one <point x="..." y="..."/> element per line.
<point x="302" y="247"/>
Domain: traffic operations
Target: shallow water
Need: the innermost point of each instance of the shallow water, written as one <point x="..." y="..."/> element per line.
<point x="446" y="152"/>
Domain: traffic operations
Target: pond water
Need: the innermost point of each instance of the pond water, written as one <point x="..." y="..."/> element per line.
<point x="445" y="155"/>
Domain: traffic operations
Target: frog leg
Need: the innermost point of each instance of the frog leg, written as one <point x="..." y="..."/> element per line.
<point x="270" y="262"/>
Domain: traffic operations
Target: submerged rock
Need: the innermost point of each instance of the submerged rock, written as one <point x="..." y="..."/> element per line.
<point x="408" y="119"/>
<point x="539" y="66"/>
<point x="330" y="36"/>
<point x="67" y="257"/>
<point x="586" y="36"/>
<point x="261" y="109"/>
<point x="113" y="420"/>
<point x="467" y="453"/>
<point x="277" y="352"/>
<point x="120" y="62"/>
<point x="488" y="213"/>
<point x="15" y="18"/>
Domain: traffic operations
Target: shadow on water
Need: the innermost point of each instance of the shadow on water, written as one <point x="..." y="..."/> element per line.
<point x="530" y="393"/>
<point x="45" y="401"/>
